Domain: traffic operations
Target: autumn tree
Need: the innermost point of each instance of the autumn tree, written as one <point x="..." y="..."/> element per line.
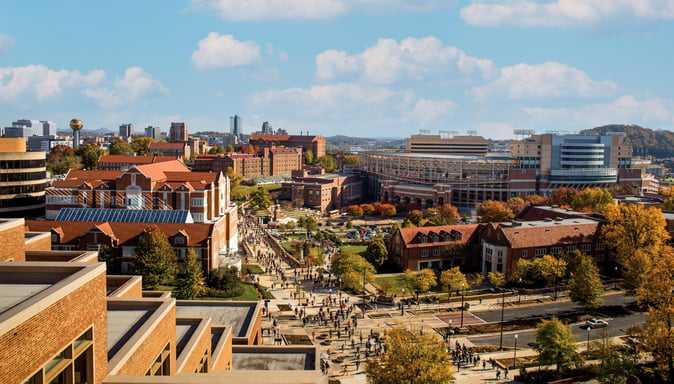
<point x="592" y="200"/>
<point x="328" y="163"/>
<point x="354" y="210"/>
<point x="544" y="270"/>
<point x="447" y="215"/>
<point x="452" y="279"/>
<point x="563" y="196"/>
<point x="141" y="144"/>
<point x="497" y="279"/>
<point x="411" y="358"/>
<point x="555" y="344"/>
<point x="376" y="252"/>
<point x="155" y="259"/>
<point x="62" y="158"/>
<point x="388" y="210"/>
<point x="516" y="204"/>
<point x="586" y="287"/>
<point x="637" y="234"/>
<point x="309" y="157"/>
<point x="89" y="155"/>
<point x="415" y="216"/>
<point x="190" y="283"/>
<point x="492" y="211"/>
<point x="425" y="280"/>
<point x="121" y="147"/>
<point x="368" y="209"/>
<point x="536" y="199"/>
<point x="353" y="270"/>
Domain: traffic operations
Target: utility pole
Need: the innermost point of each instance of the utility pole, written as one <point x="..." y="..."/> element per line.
<point x="500" y="341"/>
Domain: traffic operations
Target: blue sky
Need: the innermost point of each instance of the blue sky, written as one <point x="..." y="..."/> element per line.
<point x="376" y="68"/>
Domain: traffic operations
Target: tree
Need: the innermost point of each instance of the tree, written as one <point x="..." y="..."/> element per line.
<point x="309" y="157"/>
<point x="225" y="279"/>
<point x="190" y="283"/>
<point x="411" y="358"/>
<point x="328" y="163"/>
<point x="496" y="279"/>
<point x="556" y="345"/>
<point x="619" y="365"/>
<point x="368" y="209"/>
<point x="90" y="154"/>
<point x="355" y="210"/>
<point x="453" y="279"/>
<point x="308" y="223"/>
<point x="425" y="280"/>
<point x="353" y="270"/>
<point x="388" y="210"/>
<point x="218" y="149"/>
<point x="376" y="252"/>
<point x="637" y="234"/>
<point x="516" y="205"/>
<point x="492" y="211"/>
<point x="62" y="158"/>
<point x="415" y="216"/>
<point x="350" y="160"/>
<point x="543" y="270"/>
<point x="121" y="147"/>
<point x="563" y="196"/>
<point x="155" y="259"/>
<point x="536" y="199"/>
<point x="141" y="144"/>
<point x="447" y="214"/>
<point x="592" y="200"/>
<point x="260" y="199"/>
<point x="586" y="287"/>
<point x="230" y="149"/>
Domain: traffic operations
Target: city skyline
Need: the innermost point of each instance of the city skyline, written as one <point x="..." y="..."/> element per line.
<point x="364" y="68"/>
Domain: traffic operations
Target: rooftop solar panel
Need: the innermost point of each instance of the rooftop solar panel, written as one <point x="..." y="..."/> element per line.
<point x="124" y="215"/>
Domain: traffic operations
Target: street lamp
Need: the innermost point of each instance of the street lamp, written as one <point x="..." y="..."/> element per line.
<point x="462" y="305"/>
<point x="615" y="277"/>
<point x="500" y="342"/>
<point x="589" y="329"/>
<point x="515" y="354"/>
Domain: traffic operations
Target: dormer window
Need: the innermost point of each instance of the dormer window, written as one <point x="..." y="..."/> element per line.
<point x="455" y="235"/>
<point x="179" y="240"/>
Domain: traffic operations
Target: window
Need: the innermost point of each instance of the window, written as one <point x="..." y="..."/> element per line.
<point x="197" y="202"/>
<point x="179" y="240"/>
<point x="162" y="364"/>
<point x="525" y="253"/>
<point x="539" y="252"/>
<point x="587" y="248"/>
<point x="198" y="217"/>
<point x="73" y="365"/>
<point x="556" y="250"/>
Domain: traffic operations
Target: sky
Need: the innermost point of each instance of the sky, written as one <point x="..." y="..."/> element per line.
<point x="366" y="68"/>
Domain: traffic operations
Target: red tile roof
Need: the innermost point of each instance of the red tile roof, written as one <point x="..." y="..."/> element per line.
<point x="466" y="230"/>
<point x="268" y="137"/>
<point x="139" y="160"/>
<point x="157" y="171"/>
<point x="552" y="234"/>
<point x="165" y="145"/>
<point x="197" y="233"/>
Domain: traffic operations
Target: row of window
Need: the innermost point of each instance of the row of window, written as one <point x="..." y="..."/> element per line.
<point x="19" y="189"/>
<point x="72" y="365"/>
<point x="22" y="176"/>
<point x="19" y="164"/>
<point x="21" y="201"/>
<point x="556" y="251"/>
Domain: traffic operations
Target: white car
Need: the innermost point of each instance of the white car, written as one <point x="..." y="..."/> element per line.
<point x="596" y="323"/>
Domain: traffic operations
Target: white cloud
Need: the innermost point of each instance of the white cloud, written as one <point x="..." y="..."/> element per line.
<point x="625" y="109"/>
<point x="495" y="130"/>
<point x="132" y="86"/>
<point x="6" y="42"/>
<point x="389" y="61"/>
<point x="427" y="111"/>
<point x="559" y="13"/>
<point x="219" y="51"/>
<point x="240" y="10"/>
<point x="42" y="83"/>
<point x="547" y="80"/>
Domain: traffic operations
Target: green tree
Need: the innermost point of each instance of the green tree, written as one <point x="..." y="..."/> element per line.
<point x="619" y="365"/>
<point x="260" y="199"/>
<point x="155" y="259"/>
<point x="563" y="196"/>
<point x="190" y="283"/>
<point x="496" y="279"/>
<point x="453" y="279"/>
<point x="121" y="147"/>
<point x="218" y="149"/>
<point x="328" y="163"/>
<point x="61" y="159"/>
<point x="376" y="252"/>
<point x="89" y="155"/>
<point x="592" y="200"/>
<point x="308" y="223"/>
<point x="141" y="144"/>
<point x="556" y="345"/>
<point x="586" y="287"/>
<point x="309" y="157"/>
<point x="353" y="270"/>
<point x="492" y="211"/>
<point x="411" y="358"/>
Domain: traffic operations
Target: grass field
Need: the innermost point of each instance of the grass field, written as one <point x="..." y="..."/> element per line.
<point x="243" y="191"/>
<point x="251" y="269"/>
<point x="249" y="293"/>
<point x="353" y="249"/>
<point x="393" y="284"/>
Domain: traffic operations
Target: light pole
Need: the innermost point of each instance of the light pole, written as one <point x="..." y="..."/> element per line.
<point x="615" y="277"/>
<point x="515" y="354"/>
<point x="462" y="304"/>
<point x="589" y="329"/>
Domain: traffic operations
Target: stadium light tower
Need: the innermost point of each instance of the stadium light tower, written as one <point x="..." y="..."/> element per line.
<point x="76" y="125"/>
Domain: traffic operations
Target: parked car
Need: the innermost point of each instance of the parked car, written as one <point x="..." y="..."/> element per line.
<point x="596" y="323"/>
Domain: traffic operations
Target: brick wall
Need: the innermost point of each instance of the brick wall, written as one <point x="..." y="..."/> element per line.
<point x="39" y="243"/>
<point x="28" y="347"/>
<point x="224" y="361"/>
<point x="203" y="346"/>
<point x="12" y="240"/>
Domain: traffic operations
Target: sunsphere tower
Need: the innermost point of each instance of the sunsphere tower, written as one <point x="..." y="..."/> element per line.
<point x="76" y="125"/>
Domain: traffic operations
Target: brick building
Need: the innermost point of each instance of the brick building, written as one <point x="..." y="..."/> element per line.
<point x="322" y="192"/>
<point x="180" y="150"/>
<point x="272" y="161"/>
<point x="439" y="247"/>
<point x="315" y="144"/>
<point x="63" y="320"/>
<point x="165" y="185"/>
<point x="124" y="162"/>
<point x="504" y="243"/>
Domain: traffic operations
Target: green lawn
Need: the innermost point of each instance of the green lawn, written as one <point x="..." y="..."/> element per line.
<point x="353" y="249"/>
<point x="243" y="191"/>
<point x="249" y="293"/>
<point x="393" y="284"/>
<point x="251" y="269"/>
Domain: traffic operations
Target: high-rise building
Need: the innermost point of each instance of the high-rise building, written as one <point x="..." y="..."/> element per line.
<point x="27" y="128"/>
<point x="153" y="132"/>
<point x="267" y="128"/>
<point x="178" y="132"/>
<point x="24" y="179"/>
<point x="235" y="125"/>
<point x="125" y="130"/>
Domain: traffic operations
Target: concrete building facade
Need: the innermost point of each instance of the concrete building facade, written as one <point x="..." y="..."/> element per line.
<point x="23" y="179"/>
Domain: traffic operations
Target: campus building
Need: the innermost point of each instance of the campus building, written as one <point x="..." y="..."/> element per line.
<point x="323" y="192"/>
<point x="315" y="144"/>
<point x="178" y="132"/>
<point x="125" y="162"/>
<point x="181" y="150"/>
<point x="273" y="161"/>
<point x="64" y="320"/>
<point x="23" y="179"/>
<point x="438" y="247"/>
<point x="165" y="185"/>
<point x="448" y="145"/>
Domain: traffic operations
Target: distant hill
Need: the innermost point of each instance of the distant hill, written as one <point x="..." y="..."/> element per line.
<point x="645" y="141"/>
<point x="341" y="141"/>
